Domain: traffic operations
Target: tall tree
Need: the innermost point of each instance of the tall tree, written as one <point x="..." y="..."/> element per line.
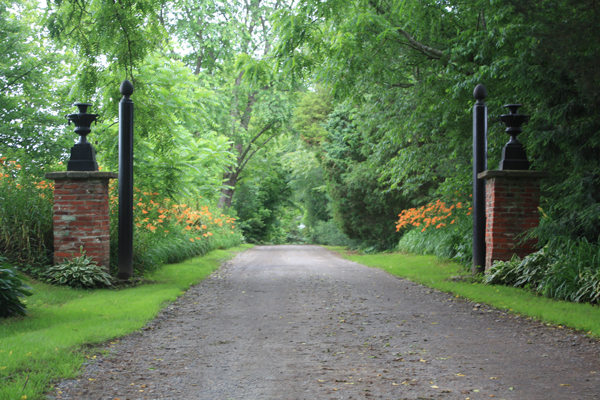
<point x="31" y="72"/>
<point x="231" y="42"/>
<point x="177" y="149"/>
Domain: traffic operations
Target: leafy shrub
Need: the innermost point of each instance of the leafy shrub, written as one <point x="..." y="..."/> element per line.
<point x="362" y="205"/>
<point x="80" y="273"/>
<point x="262" y="203"/>
<point x="327" y="232"/>
<point x="26" y="236"/>
<point x="567" y="271"/>
<point x="12" y="288"/>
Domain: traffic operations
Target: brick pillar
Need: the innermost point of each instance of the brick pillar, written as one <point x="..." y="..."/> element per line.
<point x="81" y="215"/>
<point x="511" y="209"/>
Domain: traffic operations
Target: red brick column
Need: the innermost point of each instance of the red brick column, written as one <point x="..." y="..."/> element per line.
<point x="81" y="215"/>
<point x="511" y="209"/>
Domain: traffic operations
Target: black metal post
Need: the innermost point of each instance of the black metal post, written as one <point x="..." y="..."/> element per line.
<point x="126" y="182"/>
<point x="479" y="165"/>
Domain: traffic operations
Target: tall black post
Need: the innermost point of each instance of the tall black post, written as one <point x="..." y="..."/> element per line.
<point x="479" y="165"/>
<point x="126" y="182"/>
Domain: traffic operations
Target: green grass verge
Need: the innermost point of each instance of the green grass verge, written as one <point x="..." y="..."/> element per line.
<point x="428" y="271"/>
<point x="49" y="343"/>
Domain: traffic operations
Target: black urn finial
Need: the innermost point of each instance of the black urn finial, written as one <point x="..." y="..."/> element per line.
<point x="513" y="154"/>
<point x="83" y="155"/>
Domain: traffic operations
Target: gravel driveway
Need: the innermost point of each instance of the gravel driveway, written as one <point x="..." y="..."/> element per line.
<point x="299" y="322"/>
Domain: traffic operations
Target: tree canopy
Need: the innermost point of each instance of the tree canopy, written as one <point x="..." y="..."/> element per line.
<point x="343" y="112"/>
<point x="410" y="67"/>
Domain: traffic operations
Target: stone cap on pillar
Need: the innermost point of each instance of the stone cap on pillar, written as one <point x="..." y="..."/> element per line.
<point x="55" y="176"/>
<point x="515" y="174"/>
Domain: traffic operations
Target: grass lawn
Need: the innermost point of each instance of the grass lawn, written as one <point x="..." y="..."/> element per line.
<point x="49" y="343"/>
<point x="428" y="271"/>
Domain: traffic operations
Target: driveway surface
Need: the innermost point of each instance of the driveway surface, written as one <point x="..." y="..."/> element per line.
<point x="299" y="322"/>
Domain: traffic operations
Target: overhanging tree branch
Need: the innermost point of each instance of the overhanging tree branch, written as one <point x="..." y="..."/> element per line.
<point x="254" y="152"/>
<point x="9" y="84"/>
<point x="254" y="139"/>
<point x="426" y="50"/>
<point x="415" y="44"/>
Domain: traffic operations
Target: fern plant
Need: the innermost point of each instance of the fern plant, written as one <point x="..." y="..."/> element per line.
<point x="79" y="272"/>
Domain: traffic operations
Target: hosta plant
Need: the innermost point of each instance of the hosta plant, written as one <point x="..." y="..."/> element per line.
<point x="79" y="272"/>
<point x="12" y="290"/>
<point x="569" y="270"/>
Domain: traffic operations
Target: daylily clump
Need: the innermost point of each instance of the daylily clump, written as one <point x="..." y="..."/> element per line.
<point x="157" y="214"/>
<point x="436" y="214"/>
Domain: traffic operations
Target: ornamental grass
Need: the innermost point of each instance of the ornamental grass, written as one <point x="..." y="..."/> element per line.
<point x="26" y="237"/>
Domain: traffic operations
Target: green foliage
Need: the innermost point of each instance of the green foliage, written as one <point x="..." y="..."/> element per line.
<point x="569" y="271"/>
<point x="168" y="232"/>
<point x="439" y="228"/>
<point x="121" y="34"/>
<point x="229" y="46"/>
<point x="177" y="150"/>
<point x="309" y="194"/>
<point x="310" y="116"/>
<point x="410" y="68"/>
<point x="327" y="233"/>
<point x="32" y="85"/>
<point x="362" y="208"/>
<point x="151" y="251"/>
<point x="80" y="272"/>
<point x="26" y="236"/>
<point x="12" y="289"/>
<point x="262" y="203"/>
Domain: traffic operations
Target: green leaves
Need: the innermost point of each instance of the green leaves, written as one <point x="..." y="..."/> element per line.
<point x="178" y="151"/>
<point x="123" y="32"/>
<point x="361" y="207"/>
<point x="29" y="92"/>
<point x="12" y="289"/>
<point x="409" y="68"/>
<point x="564" y="270"/>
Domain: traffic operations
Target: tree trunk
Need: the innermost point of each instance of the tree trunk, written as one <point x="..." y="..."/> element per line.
<point x="226" y="198"/>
